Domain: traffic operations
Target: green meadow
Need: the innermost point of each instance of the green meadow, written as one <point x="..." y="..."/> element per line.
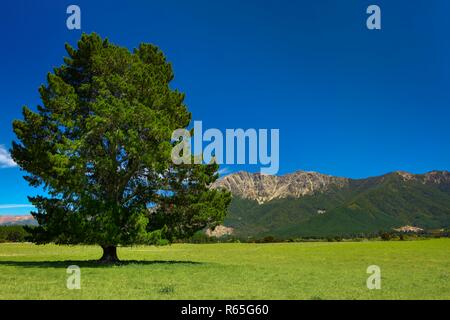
<point x="320" y="270"/>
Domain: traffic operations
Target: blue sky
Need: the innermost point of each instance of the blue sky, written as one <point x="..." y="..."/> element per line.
<point x="348" y="101"/>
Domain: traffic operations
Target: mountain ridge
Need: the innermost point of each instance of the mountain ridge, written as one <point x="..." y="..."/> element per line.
<point x="264" y="188"/>
<point x="14" y="220"/>
<point x="313" y="204"/>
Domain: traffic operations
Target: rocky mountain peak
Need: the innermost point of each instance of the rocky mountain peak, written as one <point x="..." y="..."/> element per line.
<point x="263" y="188"/>
<point x="437" y="177"/>
<point x="434" y="177"/>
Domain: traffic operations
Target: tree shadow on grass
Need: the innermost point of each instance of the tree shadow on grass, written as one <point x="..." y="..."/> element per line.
<point x="94" y="263"/>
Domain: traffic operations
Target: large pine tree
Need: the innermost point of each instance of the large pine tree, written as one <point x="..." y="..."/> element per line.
<point x="100" y="145"/>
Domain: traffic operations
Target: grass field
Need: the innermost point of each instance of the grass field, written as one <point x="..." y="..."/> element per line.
<point x="410" y="270"/>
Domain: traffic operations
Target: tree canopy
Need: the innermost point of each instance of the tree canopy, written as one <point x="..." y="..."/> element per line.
<point x="100" y="146"/>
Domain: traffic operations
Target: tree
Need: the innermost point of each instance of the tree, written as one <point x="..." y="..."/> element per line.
<point x="100" y="146"/>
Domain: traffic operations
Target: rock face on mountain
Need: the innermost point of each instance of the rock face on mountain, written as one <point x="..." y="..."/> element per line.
<point x="435" y="177"/>
<point x="314" y="204"/>
<point x="264" y="188"/>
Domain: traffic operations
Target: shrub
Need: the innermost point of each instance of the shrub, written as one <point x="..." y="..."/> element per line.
<point x="269" y="239"/>
<point x="13" y="234"/>
<point x="386" y="236"/>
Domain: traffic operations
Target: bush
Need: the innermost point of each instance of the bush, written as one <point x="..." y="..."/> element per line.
<point x="386" y="236"/>
<point x="269" y="239"/>
<point x="13" y="234"/>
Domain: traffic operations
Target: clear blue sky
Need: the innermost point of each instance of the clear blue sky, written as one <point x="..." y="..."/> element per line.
<point x="348" y="101"/>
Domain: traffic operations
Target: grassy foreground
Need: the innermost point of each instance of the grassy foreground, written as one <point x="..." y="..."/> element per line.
<point x="410" y="270"/>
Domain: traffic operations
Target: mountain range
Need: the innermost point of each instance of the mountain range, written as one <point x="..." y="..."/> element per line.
<point x="314" y="204"/>
<point x="17" y="220"/>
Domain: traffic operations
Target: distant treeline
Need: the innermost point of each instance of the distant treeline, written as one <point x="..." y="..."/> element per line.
<point x="19" y="234"/>
<point x="13" y="234"/>
<point x="381" y="235"/>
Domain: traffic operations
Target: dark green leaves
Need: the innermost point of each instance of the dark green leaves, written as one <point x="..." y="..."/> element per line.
<point x="100" y="144"/>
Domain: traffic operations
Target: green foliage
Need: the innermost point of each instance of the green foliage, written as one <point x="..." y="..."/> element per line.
<point x="385" y="236"/>
<point x="269" y="239"/>
<point x="100" y="145"/>
<point x="13" y="234"/>
<point x="184" y="208"/>
<point x="201" y="237"/>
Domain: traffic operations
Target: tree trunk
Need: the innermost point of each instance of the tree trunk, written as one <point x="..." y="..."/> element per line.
<point x="109" y="254"/>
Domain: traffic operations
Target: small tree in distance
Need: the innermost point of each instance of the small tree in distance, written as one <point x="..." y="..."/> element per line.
<point x="100" y="146"/>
